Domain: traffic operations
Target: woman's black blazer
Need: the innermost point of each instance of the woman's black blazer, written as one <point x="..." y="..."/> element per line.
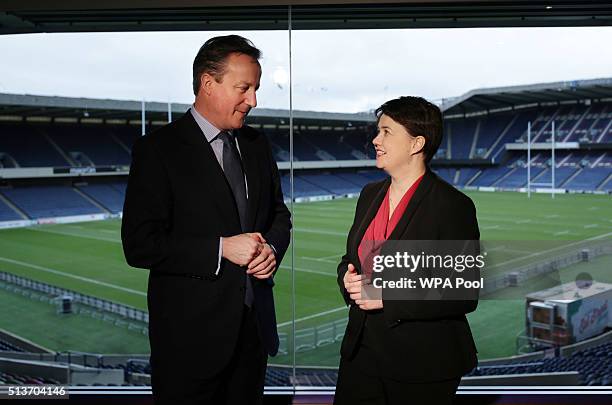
<point x="416" y="340"/>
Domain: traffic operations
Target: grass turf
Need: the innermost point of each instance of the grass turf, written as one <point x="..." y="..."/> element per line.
<point x="87" y="257"/>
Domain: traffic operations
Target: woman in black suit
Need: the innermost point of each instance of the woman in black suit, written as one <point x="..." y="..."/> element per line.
<point x="398" y="351"/>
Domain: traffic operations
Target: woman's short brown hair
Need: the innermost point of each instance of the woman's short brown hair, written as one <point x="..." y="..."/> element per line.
<point x="419" y="117"/>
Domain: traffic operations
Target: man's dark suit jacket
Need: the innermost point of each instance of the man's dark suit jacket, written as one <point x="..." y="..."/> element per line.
<point x="415" y="340"/>
<point x="178" y="203"/>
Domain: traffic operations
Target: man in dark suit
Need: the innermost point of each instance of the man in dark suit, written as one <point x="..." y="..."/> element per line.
<point x="204" y="212"/>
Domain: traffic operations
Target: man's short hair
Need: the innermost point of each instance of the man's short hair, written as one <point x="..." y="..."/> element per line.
<point x="212" y="57"/>
<point x="419" y="117"/>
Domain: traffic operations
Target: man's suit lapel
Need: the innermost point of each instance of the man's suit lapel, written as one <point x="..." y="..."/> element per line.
<point x="252" y="172"/>
<point x="215" y="180"/>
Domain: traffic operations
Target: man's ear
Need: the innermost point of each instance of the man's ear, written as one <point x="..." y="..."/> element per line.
<point x="206" y="83"/>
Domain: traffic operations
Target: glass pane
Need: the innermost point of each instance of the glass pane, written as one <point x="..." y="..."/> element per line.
<point x="490" y="83"/>
<point x="67" y="126"/>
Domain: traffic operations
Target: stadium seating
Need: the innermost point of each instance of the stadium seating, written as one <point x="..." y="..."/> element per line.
<point x="375" y="175"/>
<point x="16" y="379"/>
<point x="330" y="183"/>
<point x="28" y="146"/>
<point x="518" y="177"/>
<point x="332" y="143"/>
<point x="461" y="133"/>
<point x="316" y="145"/>
<point x="489" y="176"/>
<point x="49" y="201"/>
<point x="7" y="213"/>
<point x="447" y="174"/>
<point x="516" y="130"/>
<point x="490" y="129"/>
<point x="357" y="179"/>
<point x="8" y="347"/>
<point x="589" y="179"/>
<point x="465" y="175"/>
<point x="65" y="145"/>
<point x="562" y="174"/>
<point x="361" y="141"/>
<point x="325" y="183"/>
<point x="480" y="137"/>
<point x="95" y="143"/>
<point x="594" y="365"/>
<point x="106" y="195"/>
<point x="276" y="376"/>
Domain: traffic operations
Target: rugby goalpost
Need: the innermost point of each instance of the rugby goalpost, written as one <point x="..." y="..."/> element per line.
<point x="551" y="184"/>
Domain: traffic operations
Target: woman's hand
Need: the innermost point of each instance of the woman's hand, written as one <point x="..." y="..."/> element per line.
<point x="353" y="283"/>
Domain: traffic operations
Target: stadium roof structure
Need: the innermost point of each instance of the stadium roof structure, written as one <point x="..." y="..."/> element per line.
<point x="89" y="109"/>
<point x="474" y="102"/>
<point x="496" y="99"/>
<point x="28" y="16"/>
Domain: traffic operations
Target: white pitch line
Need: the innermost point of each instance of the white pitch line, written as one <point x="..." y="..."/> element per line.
<point x="74" y="276"/>
<point x="64" y="233"/>
<point x="325" y="259"/>
<point x="321" y="232"/>
<point x="326" y="208"/>
<point x="523" y="221"/>
<point x="493" y="249"/>
<point x="523" y="252"/>
<point x="322" y="273"/>
<point x="508" y="220"/>
<point x="605" y="235"/>
<point x="592" y="226"/>
<point x="510" y="250"/>
<point x="551" y="216"/>
<point x="504" y="248"/>
<point x="331" y="257"/>
<point x="118" y="241"/>
<point x="73" y="234"/>
<point x="314" y="259"/>
<point x="565" y="232"/>
<point x="331" y="311"/>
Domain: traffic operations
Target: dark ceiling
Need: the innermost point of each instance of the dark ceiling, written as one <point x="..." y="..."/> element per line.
<point x="180" y="15"/>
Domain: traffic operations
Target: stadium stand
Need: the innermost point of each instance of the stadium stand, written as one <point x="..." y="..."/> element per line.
<point x="15" y="379"/>
<point x="594" y="365"/>
<point x="8" y="347"/>
<point x="89" y="145"/>
<point x="109" y="196"/>
<point x="7" y="213"/>
<point x="27" y="146"/>
<point x="49" y="201"/>
<point x="475" y="152"/>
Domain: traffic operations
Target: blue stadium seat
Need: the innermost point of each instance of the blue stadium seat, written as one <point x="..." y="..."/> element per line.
<point x="49" y="201"/>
